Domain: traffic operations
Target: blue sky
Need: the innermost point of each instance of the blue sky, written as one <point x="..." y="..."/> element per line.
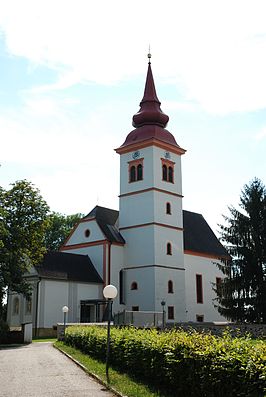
<point x="72" y="75"/>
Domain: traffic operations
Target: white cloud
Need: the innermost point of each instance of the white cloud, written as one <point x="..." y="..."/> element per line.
<point x="214" y="49"/>
<point x="70" y="159"/>
<point x="261" y="135"/>
<point x="169" y="106"/>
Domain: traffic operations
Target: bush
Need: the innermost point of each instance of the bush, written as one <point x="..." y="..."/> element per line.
<point x="184" y="363"/>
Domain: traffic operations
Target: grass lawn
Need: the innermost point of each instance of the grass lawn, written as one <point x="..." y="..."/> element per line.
<point x="122" y="383"/>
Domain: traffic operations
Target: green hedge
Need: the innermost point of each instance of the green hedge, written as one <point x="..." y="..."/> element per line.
<point x="184" y="363"/>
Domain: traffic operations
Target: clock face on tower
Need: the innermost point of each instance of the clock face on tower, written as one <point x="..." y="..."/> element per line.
<point x="135" y="155"/>
<point x="167" y="155"/>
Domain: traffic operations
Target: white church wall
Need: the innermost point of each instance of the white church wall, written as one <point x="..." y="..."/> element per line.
<point x="147" y="182"/>
<point x="57" y="294"/>
<point x="152" y="171"/>
<point x="175" y="187"/>
<point x="136" y="209"/>
<point x="54" y="295"/>
<point x="86" y="232"/>
<point x="174" y="299"/>
<point x="15" y="318"/>
<point x="148" y="207"/>
<point x="160" y="215"/>
<point x="25" y="311"/>
<point x="117" y="263"/>
<point x="144" y="296"/>
<point x="163" y="236"/>
<point x="139" y="247"/>
<point x="206" y="267"/>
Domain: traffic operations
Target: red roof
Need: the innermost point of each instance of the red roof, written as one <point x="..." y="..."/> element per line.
<point x="150" y="121"/>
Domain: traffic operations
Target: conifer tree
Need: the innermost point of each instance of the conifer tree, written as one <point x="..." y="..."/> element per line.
<point x="241" y="296"/>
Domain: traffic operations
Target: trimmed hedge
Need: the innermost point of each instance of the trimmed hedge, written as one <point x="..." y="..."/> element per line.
<point x="184" y="363"/>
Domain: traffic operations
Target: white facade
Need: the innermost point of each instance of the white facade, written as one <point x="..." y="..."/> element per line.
<point x="143" y="251"/>
<point x="147" y="229"/>
<point x="209" y="272"/>
<point x="46" y="310"/>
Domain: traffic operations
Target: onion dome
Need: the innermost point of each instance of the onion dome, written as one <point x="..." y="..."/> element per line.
<point x="150" y="122"/>
<point x="150" y="111"/>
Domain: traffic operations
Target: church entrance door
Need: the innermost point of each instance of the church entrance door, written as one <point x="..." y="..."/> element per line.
<point x="86" y="313"/>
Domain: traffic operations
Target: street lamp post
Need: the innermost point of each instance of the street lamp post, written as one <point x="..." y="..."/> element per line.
<point x="109" y="292"/>
<point x="163" y="305"/>
<point x="65" y="311"/>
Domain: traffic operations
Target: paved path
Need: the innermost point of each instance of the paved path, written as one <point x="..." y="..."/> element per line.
<point x="39" y="370"/>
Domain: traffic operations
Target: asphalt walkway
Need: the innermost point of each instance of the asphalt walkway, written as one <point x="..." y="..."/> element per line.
<point x="40" y="370"/>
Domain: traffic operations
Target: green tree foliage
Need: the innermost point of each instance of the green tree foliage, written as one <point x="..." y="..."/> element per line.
<point x="23" y="221"/>
<point x="242" y="294"/>
<point x="58" y="228"/>
<point x="182" y="363"/>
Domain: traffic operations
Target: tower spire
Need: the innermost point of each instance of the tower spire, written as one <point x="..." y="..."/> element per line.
<point x="150" y="121"/>
<point x="149" y="54"/>
<point x="150" y="112"/>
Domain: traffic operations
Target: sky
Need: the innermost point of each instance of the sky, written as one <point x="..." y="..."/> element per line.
<point x="72" y="74"/>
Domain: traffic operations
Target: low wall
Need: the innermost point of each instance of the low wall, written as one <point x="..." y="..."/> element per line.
<point x="255" y="330"/>
<point x="19" y="335"/>
<point x="45" y="332"/>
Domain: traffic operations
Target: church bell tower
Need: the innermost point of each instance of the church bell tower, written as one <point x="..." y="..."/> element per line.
<point x="150" y="211"/>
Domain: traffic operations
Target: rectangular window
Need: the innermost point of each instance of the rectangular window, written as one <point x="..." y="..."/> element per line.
<point x="135" y="308"/>
<point x="218" y="283"/>
<point x="199" y="318"/>
<point x="199" y="291"/>
<point x="28" y="306"/>
<point x="171" y="313"/>
<point x="121" y="288"/>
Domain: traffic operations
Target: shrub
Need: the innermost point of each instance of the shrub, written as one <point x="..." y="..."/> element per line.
<point x="184" y="363"/>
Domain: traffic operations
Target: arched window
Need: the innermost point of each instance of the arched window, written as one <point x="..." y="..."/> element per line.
<point x="170" y="174"/>
<point x="169" y="249"/>
<point x="170" y="287"/>
<point x="134" y="285"/>
<point x="16" y="305"/>
<point x="167" y="170"/>
<point x="28" y="305"/>
<point x="132" y="173"/>
<point x="164" y="173"/>
<point x="135" y="170"/>
<point x="87" y="233"/>
<point x="168" y="208"/>
<point x="139" y="172"/>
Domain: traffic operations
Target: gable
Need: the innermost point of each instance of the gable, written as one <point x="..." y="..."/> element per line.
<point x="107" y="219"/>
<point x="86" y="231"/>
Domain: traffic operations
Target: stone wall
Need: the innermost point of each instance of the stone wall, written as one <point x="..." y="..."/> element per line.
<point x="254" y="330"/>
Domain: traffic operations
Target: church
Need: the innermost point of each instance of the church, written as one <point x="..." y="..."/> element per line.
<point x="152" y="250"/>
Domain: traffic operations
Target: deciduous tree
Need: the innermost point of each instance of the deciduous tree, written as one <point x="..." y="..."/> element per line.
<point x="23" y="221"/>
<point x="58" y="228"/>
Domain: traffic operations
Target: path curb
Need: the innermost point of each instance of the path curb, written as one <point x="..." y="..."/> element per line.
<point x="96" y="377"/>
